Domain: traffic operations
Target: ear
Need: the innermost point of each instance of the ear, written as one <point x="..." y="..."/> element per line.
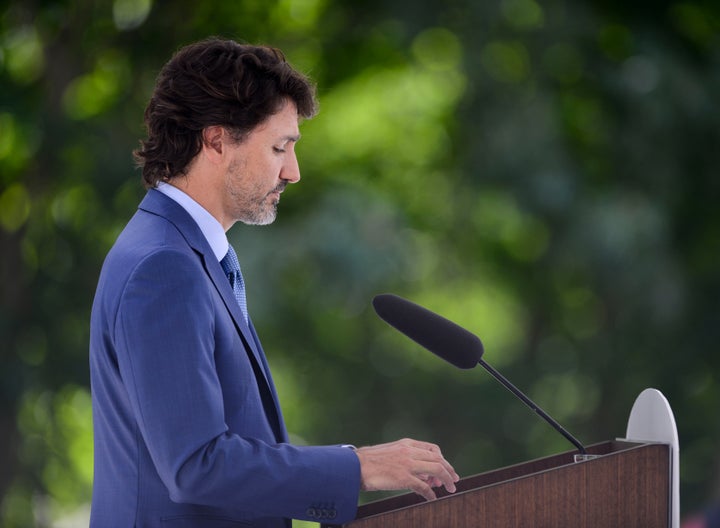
<point x="212" y="141"/>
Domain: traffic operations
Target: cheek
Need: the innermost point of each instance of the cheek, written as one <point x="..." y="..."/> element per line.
<point x="269" y="171"/>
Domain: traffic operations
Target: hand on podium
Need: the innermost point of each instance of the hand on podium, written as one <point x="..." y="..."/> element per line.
<point x="405" y="464"/>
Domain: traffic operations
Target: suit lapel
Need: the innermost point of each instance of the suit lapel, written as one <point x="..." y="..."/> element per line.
<point x="222" y="284"/>
<point x="249" y="338"/>
<point x="157" y="203"/>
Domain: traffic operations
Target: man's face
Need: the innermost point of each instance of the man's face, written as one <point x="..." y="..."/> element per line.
<point x="261" y="166"/>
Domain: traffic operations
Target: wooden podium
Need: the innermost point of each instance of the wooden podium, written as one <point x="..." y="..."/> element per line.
<point x="627" y="486"/>
<point x="632" y="483"/>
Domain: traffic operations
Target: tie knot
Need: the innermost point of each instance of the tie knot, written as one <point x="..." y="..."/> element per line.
<point x="231" y="267"/>
<point x="230" y="263"/>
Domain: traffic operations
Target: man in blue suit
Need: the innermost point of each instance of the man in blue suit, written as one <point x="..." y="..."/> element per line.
<point x="188" y="429"/>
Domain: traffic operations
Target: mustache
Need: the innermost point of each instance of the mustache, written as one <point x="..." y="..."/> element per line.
<point x="280" y="187"/>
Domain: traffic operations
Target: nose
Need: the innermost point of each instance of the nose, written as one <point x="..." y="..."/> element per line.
<point x="291" y="169"/>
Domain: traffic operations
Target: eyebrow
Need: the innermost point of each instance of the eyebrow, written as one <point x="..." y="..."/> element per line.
<point x="294" y="139"/>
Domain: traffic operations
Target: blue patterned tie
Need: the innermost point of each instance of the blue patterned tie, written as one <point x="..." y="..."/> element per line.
<point x="231" y="266"/>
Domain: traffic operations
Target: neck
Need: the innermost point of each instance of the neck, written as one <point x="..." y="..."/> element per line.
<point x="204" y="195"/>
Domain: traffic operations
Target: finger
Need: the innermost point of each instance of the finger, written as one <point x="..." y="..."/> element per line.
<point x="449" y="469"/>
<point x="426" y="451"/>
<point x="437" y="458"/>
<point x="425" y="446"/>
<point x="423" y="489"/>
<point x="434" y="482"/>
<point x="440" y="476"/>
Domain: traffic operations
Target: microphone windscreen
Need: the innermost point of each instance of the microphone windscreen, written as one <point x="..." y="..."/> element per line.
<point x="440" y="336"/>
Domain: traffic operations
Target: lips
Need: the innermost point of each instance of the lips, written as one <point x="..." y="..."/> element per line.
<point x="278" y="190"/>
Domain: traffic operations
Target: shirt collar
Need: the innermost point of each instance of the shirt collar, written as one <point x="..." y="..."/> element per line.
<point x="208" y="224"/>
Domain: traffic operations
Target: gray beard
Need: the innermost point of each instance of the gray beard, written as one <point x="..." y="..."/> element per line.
<point x="261" y="216"/>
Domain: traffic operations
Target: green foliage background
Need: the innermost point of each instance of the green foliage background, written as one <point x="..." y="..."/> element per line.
<point x="543" y="173"/>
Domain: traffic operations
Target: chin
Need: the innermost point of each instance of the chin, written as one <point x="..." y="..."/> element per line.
<point x="262" y="218"/>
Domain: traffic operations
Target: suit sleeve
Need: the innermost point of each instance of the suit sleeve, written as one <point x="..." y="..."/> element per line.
<point x="165" y="349"/>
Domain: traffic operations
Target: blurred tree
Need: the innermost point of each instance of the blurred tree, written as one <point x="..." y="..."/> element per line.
<point x="544" y="174"/>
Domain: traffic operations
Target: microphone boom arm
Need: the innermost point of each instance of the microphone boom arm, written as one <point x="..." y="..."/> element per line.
<point x="527" y="401"/>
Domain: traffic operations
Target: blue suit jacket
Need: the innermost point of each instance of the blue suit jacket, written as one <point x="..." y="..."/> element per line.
<point x="188" y="430"/>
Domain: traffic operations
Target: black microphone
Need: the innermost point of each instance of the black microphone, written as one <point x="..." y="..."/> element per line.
<point x="440" y="336"/>
<point x="452" y="343"/>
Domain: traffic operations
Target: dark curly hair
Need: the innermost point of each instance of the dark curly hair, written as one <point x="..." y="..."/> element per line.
<point x="215" y="82"/>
